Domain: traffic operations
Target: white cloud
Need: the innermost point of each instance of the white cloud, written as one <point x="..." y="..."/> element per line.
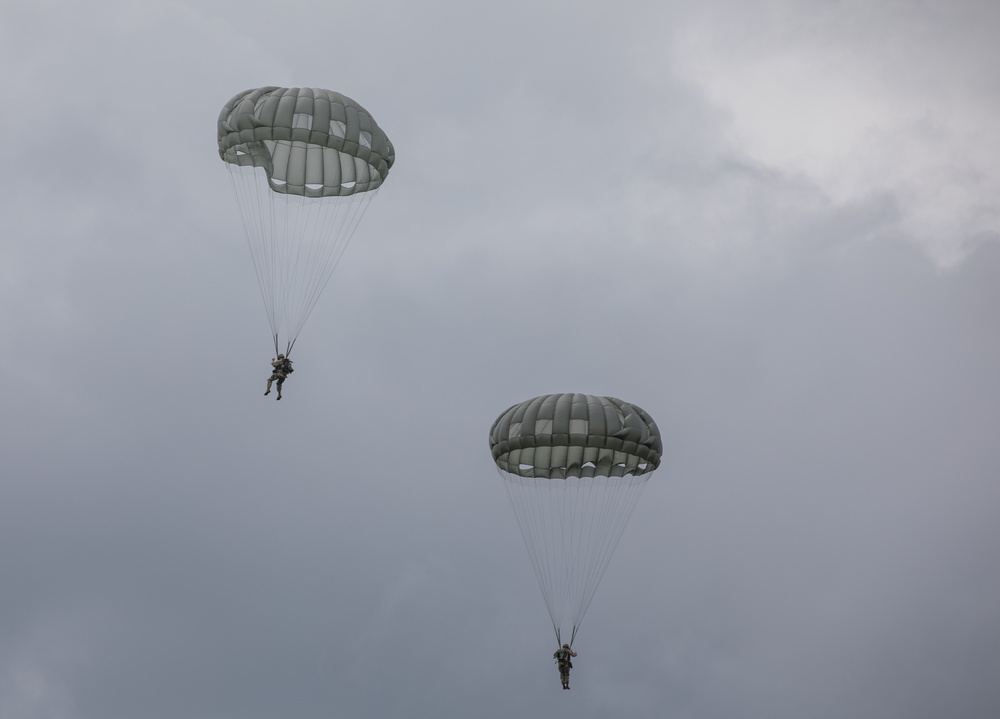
<point x="864" y="98"/>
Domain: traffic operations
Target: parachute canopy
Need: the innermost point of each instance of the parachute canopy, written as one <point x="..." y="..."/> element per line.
<point x="305" y="163"/>
<point x="309" y="142"/>
<point x="575" y="435"/>
<point x="574" y="466"/>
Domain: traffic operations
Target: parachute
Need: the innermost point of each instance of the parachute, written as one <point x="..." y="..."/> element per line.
<point x="574" y="466"/>
<point x="304" y="164"/>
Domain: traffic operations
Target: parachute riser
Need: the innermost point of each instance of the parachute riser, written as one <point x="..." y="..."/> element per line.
<point x="288" y="347"/>
<point x="572" y="638"/>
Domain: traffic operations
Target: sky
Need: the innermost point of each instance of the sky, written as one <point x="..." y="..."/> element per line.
<point x="773" y="225"/>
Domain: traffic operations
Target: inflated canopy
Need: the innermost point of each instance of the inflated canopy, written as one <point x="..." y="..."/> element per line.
<point x="557" y="436"/>
<point x="309" y="142"/>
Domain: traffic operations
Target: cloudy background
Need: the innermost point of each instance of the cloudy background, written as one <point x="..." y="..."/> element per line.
<point x="773" y="225"/>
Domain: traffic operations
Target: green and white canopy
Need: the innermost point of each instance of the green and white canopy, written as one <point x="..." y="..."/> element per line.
<point x="309" y="141"/>
<point x="557" y="436"/>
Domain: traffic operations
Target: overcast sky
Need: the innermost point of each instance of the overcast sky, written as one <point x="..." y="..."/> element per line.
<point x="775" y="226"/>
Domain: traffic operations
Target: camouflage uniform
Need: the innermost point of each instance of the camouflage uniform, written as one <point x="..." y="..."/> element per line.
<point x="563" y="657"/>
<point x="281" y="368"/>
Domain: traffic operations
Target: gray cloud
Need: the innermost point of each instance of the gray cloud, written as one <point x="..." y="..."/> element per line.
<point x="821" y="538"/>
